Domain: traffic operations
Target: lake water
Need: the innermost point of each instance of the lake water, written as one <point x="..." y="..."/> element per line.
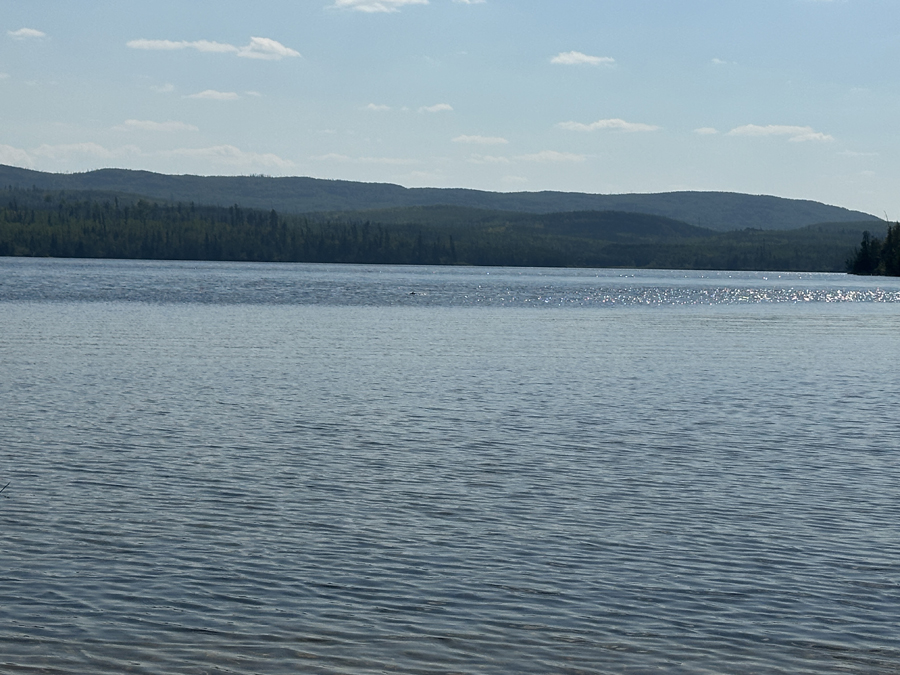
<point x="251" y="468"/>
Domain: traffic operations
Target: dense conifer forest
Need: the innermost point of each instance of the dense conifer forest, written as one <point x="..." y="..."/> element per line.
<point x="37" y="222"/>
<point x="877" y="256"/>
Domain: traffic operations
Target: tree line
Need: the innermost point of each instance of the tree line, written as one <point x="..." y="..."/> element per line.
<point x="113" y="225"/>
<point x="877" y="256"/>
<point x="88" y="228"/>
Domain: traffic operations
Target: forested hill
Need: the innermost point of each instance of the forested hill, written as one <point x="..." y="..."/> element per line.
<point x="606" y="225"/>
<point x="720" y="211"/>
<point x="94" y="224"/>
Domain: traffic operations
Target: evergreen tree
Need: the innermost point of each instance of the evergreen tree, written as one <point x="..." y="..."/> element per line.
<point x="866" y="257"/>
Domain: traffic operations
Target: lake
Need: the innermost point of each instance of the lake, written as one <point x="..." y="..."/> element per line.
<point x="263" y="468"/>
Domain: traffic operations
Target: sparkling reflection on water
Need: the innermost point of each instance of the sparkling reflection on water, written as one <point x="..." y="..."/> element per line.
<point x="297" y="468"/>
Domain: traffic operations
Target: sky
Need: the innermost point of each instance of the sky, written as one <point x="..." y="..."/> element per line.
<point x="795" y="98"/>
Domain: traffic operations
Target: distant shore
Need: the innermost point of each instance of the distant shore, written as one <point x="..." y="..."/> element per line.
<point x="81" y="225"/>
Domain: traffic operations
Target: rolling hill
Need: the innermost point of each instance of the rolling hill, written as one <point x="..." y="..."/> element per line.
<point x="720" y="211"/>
<point x="99" y="224"/>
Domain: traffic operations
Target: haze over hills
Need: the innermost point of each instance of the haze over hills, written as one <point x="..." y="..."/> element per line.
<point x="719" y="211"/>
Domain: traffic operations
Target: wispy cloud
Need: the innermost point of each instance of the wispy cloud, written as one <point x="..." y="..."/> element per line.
<point x="481" y="140"/>
<point x="488" y="159"/>
<point x="167" y="88"/>
<point x="440" y="107"/>
<point x="25" y="33"/>
<point x="706" y="131"/>
<point x="266" y="49"/>
<point x="213" y="95"/>
<point x="64" y="153"/>
<point x="376" y="107"/>
<point x="552" y="156"/>
<point x="579" y="59"/>
<point x="393" y="161"/>
<point x="232" y="157"/>
<point x="15" y="157"/>
<point x="470" y="2"/>
<point x="259" y="48"/>
<point x="69" y="151"/>
<point x="795" y="134"/>
<point x="614" y="124"/>
<point x="216" y="158"/>
<point x="148" y="125"/>
<point x="4" y="76"/>
<point x="172" y="45"/>
<point x="333" y="157"/>
<point x="373" y="6"/>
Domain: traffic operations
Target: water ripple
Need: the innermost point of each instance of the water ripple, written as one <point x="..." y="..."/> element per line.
<point x="422" y="484"/>
<point x="309" y="284"/>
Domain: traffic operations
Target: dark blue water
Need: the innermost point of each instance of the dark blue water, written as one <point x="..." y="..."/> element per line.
<point x="222" y="468"/>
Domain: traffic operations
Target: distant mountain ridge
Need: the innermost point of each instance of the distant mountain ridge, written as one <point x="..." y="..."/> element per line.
<point x="721" y="211"/>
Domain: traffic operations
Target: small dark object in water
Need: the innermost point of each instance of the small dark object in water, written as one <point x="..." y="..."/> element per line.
<point x="412" y="292"/>
<point x="3" y="488"/>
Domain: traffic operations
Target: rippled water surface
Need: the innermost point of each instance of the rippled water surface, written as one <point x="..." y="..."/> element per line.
<point x="225" y="468"/>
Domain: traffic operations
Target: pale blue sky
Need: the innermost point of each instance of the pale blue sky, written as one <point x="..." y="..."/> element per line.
<point x="797" y="98"/>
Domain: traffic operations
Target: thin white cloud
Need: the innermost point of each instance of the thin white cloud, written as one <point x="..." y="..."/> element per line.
<point x="375" y="107"/>
<point x="488" y="159"/>
<point x="374" y="6"/>
<point x="167" y="88"/>
<point x="481" y="140"/>
<point x="213" y="95"/>
<point x="440" y="107"/>
<point x="4" y="76"/>
<point x="254" y="94"/>
<point x="266" y="49"/>
<point x="171" y="45"/>
<point x="259" y="48"/>
<point x="470" y="2"/>
<point x="230" y="156"/>
<point x="392" y="161"/>
<point x="579" y="59"/>
<point x="706" y="131"/>
<point x="333" y="157"/>
<point x="149" y="125"/>
<point x="795" y="134"/>
<point x="212" y="158"/>
<point x="68" y="151"/>
<point x="615" y="124"/>
<point x="552" y="156"/>
<point x="25" y="33"/>
<point x="15" y="157"/>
